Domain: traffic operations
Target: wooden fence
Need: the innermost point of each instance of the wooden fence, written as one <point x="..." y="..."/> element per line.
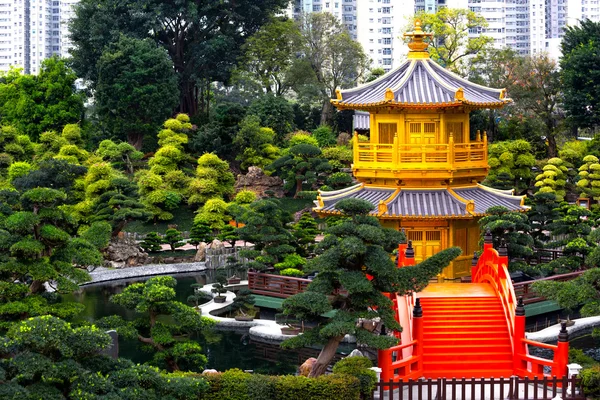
<point x="276" y="285"/>
<point x="513" y="388"/>
<point x="523" y="289"/>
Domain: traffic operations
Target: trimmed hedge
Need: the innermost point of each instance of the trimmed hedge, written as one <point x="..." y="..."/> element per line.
<point x="235" y="384"/>
<point x="359" y="368"/>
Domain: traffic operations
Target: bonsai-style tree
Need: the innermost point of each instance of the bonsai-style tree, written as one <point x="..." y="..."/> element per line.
<point x="119" y="205"/>
<point x="511" y="227"/>
<point x="173" y="238"/>
<point x="152" y="242"/>
<point x="553" y="178"/>
<point x="122" y="154"/>
<point x="47" y="358"/>
<point x="163" y="324"/>
<point x="243" y="303"/>
<point x="213" y="214"/>
<point x="357" y="247"/>
<point x="265" y="227"/>
<point x="589" y="178"/>
<point x="305" y="231"/>
<point x="198" y="296"/>
<point x="229" y="234"/>
<point x="213" y="180"/>
<point x="200" y="232"/>
<point x="304" y="163"/>
<point x="510" y="165"/>
<point x="543" y="212"/>
<point x="218" y="287"/>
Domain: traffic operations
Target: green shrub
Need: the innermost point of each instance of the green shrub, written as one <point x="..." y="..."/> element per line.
<point x="324" y="136"/>
<point x="577" y="356"/>
<point x="151" y="242"/>
<point x="590" y="380"/>
<point x="237" y="385"/>
<point x="359" y="368"/>
<point x="291" y="272"/>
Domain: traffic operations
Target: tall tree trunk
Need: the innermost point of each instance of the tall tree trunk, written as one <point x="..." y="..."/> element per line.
<point x="187" y="102"/>
<point x="36" y="287"/>
<point x="325" y="356"/>
<point x="551" y="146"/>
<point x="327" y="113"/>
<point x="135" y="139"/>
<point x="298" y="187"/>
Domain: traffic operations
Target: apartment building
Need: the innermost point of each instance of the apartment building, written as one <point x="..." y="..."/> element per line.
<point x="33" y="30"/>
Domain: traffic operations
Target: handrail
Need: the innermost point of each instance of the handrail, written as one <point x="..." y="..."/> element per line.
<point x="407" y="156"/>
<point x="522" y="289"/>
<point x="492" y="268"/>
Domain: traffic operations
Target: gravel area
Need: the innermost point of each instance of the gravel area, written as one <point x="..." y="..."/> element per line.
<point x="104" y="274"/>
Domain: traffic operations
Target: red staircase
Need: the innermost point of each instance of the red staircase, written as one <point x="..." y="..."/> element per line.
<point x="467" y="330"/>
<point x="465" y="337"/>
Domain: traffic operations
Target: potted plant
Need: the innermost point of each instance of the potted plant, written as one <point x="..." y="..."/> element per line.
<point x="198" y="297"/>
<point x="243" y="306"/>
<point x="219" y="288"/>
<point x="235" y="266"/>
<point x="290" y="324"/>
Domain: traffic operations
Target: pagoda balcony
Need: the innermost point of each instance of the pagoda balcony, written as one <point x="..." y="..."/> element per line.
<point x="411" y="161"/>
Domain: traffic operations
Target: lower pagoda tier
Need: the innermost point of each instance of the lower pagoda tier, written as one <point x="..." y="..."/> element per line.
<point x="433" y="218"/>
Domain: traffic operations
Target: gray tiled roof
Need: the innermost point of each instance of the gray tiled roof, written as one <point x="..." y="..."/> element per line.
<point x="420" y="81"/>
<point x="374" y="196"/>
<point x="485" y="199"/>
<point x="434" y="203"/>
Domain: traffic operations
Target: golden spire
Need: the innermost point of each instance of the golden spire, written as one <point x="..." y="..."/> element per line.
<point x="417" y="46"/>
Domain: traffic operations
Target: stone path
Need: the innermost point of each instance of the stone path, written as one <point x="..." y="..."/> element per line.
<point x="550" y="334"/>
<point x="104" y="274"/>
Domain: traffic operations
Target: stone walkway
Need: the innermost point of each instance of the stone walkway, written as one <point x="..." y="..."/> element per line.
<point x="102" y="274"/>
<point x="550" y="334"/>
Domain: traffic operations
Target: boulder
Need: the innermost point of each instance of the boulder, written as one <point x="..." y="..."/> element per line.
<point x="356" y="353"/>
<point x="307" y="366"/>
<point x="216" y="244"/>
<point x="257" y="181"/>
<point x="201" y="252"/>
<point x="122" y="253"/>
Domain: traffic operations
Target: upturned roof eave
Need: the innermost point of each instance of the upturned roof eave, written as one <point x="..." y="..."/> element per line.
<point x="394" y="104"/>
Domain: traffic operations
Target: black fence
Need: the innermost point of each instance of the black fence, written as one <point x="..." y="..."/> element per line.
<point x="513" y="388"/>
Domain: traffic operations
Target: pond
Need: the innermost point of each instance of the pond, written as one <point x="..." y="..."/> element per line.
<point x="224" y="349"/>
<point x="589" y="345"/>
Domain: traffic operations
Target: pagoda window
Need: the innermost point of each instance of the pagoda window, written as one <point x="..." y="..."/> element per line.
<point x="457" y="131"/>
<point x="387" y="131"/>
<point x="422" y="133"/>
<point x="425" y="242"/>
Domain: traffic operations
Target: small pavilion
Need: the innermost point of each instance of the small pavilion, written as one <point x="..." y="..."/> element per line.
<point x="421" y="168"/>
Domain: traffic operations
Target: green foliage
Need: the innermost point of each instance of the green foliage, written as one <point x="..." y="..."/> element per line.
<point x="542" y="214"/>
<point x="357" y="246"/>
<point x="552" y="179"/>
<point x="359" y="368"/>
<point x="324" y="135"/>
<point x="453" y="46"/>
<point x="305" y="232"/>
<point x="338" y="156"/>
<point x="581" y="291"/>
<point x="274" y="112"/>
<point x="151" y="242"/>
<point x="577" y="356"/>
<point x="303" y="164"/>
<point x="238" y="385"/>
<point x="122" y="154"/>
<point x="302" y="137"/>
<point x="579" y="76"/>
<point x="589" y="178"/>
<point x="98" y="234"/>
<point x="265" y="227"/>
<point x="163" y="323"/>
<point x="136" y="89"/>
<point x="173" y="238"/>
<point x="512" y="227"/>
<point x="18" y="169"/>
<point x="213" y="180"/>
<point x="590" y="380"/>
<point x="511" y="164"/>
<point x="219" y="286"/>
<point x="213" y="214"/>
<point x="243" y="303"/>
<point x="339" y="180"/>
<point x="254" y="144"/>
<point x="47" y="358"/>
<point x="291" y="272"/>
<point x="38" y="103"/>
<point x="200" y="232"/>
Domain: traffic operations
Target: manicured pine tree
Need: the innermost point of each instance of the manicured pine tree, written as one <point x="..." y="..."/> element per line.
<point x="152" y="242"/>
<point x="305" y="231"/>
<point x="200" y="232"/>
<point x="265" y="227"/>
<point x="173" y="238"/>
<point x="511" y="227"/>
<point x="357" y="247"/>
<point x="589" y="178"/>
<point x="164" y="324"/>
<point x="543" y="212"/>
<point x="553" y="178"/>
<point x="213" y="180"/>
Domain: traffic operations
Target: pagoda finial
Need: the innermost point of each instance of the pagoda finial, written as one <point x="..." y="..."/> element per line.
<point x="417" y="46"/>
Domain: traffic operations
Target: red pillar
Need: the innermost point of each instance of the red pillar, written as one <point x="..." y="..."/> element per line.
<point x="401" y="255"/>
<point x="384" y="361"/>
<point x="561" y="356"/>
<point x="519" y="350"/>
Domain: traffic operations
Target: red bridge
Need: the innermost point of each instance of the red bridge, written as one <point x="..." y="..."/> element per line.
<point x="468" y="329"/>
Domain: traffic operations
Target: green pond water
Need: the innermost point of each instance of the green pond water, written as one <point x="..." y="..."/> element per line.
<point x="224" y="349"/>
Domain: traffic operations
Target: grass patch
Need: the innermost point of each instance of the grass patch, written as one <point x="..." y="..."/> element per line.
<point x="292" y="206"/>
<point x="183" y="217"/>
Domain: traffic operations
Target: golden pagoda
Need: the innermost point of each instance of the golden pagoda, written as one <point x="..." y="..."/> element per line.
<point x="420" y="167"/>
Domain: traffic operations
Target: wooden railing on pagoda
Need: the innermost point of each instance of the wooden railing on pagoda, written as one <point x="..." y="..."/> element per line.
<point x="402" y="157"/>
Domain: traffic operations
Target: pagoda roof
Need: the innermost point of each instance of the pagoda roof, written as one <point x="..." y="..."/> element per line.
<point x="442" y="203"/>
<point x="419" y="83"/>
